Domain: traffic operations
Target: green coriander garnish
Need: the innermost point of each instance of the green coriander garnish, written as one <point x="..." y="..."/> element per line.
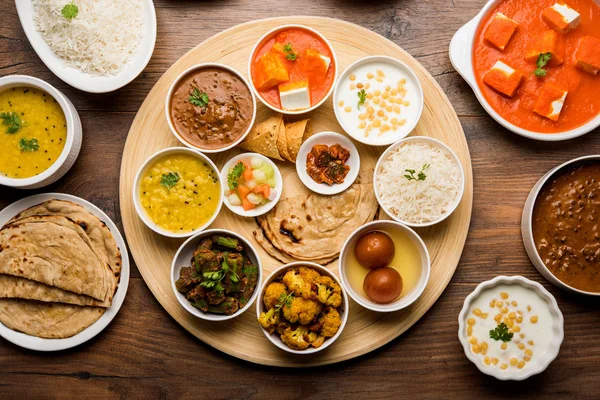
<point x="169" y="180"/>
<point x="284" y="301"/>
<point x="362" y="97"/>
<point x="501" y="333"/>
<point x="70" y="11"/>
<point x="12" y="122"/>
<point x="541" y="62"/>
<point x="235" y="174"/>
<point x="29" y="145"/>
<point x="420" y="176"/>
<point x="290" y="54"/>
<point x="198" y="98"/>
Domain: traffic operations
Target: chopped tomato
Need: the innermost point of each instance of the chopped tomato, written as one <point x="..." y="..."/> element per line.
<point x="246" y="204"/>
<point x="243" y="191"/>
<point x="263" y="189"/>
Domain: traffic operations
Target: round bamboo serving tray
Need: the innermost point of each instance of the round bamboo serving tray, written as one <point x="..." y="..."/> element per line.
<point x="242" y="336"/>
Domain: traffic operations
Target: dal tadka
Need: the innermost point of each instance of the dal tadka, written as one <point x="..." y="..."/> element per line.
<point x="33" y="132"/>
<point x="327" y="164"/>
<point x="565" y="224"/>
<point x="221" y="278"/>
<point x="211" y="108"/>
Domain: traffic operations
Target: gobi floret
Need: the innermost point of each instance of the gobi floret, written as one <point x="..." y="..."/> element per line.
<point x="295" y="339"/>
<point x="328" y="291"/>
<point x="309" y="275"/>
<point x="330" y="322"/>
<point x="314" y="339"/>
<point x="273" y="294"/>
<point x="269" y="320"/>
<point x="296" y="284"/>
<point x="301" y="310"/>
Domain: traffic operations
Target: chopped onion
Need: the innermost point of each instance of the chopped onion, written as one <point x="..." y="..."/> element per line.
<point x="255" y="198"/>
<point x="255" y="162"/>
<point x="251" y="183"/>
<point x="234" y="199"/>
<point x="272" y="194"/>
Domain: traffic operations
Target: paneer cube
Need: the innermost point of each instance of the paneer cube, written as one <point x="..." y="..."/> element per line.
<point x="294" y="95"/>
<point x="561" y="17"/>
<point x="270" y="71"/>
<point x="504" y="78"/>
<point x="547" y="42"/>
<point x="500" y="30"/>
<point x="587" y="56"/>
<point x="314" y="66"/>
<point x="550" y="102"/>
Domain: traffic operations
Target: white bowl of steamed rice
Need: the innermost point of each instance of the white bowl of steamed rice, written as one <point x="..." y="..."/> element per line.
<point x="419" y="181"/>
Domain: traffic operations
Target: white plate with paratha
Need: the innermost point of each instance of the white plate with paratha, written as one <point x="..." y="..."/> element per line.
<point x="75" y="317"/>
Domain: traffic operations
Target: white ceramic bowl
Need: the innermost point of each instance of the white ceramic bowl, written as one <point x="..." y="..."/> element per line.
<point x="461" y="57"/>
<point x="136" y="190"/>
<point x="527" y="229"/>
<point x="260" y="210"/>
<point x="328" y="138"/>
<point x="343" y="309"/>
<point x="170" y="95"/>
<point x="183" y="258"/>
<point x="425" y="266"/>
<point x="79" y="79"/>
<point x="540" y="362"/>
<point x="334" y="62"/>
<point x="434" y="142"/>
<point x="390" y="136"/>
<point x="70" y="152"/>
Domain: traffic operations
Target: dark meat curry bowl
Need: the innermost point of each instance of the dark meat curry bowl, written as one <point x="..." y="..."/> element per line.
<point x="560" y="225"/>
<point x="216" y="275"/>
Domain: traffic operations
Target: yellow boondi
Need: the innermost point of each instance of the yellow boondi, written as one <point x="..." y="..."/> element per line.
<point x="38" y="142"/>
<point x="190" y="202"/>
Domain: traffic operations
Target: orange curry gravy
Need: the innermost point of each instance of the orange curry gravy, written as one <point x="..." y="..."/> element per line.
<point x="566" y="225"/>
<point x="301" y="40"/>
<point x="582" y="102"/>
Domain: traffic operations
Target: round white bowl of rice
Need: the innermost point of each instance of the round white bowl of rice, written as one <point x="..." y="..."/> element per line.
<point x="419" y="181"/>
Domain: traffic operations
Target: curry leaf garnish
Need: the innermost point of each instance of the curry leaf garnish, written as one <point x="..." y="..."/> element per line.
<point x="234" y="175"/>
<point x="169" y="180"/>
<point x="70" y="11"/>
<point x="12" y="122"/>
<point x="501" y="333"/>
<point x="541" y="62"/>
<point x="29" y="145"/>
<point x="362" y="97"/>
<point x="420" y="176"/>
<point x="290" y="54"/>
<point x="198" y="98"/>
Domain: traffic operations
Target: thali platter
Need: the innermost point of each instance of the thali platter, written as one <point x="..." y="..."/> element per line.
<point x="366" y="330"/>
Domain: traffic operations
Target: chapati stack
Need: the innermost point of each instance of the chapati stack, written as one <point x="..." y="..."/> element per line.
<point x="59" y="270"/>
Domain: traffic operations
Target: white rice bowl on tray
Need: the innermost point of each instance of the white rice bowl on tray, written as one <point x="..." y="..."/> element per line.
<point x="419" y="181"/>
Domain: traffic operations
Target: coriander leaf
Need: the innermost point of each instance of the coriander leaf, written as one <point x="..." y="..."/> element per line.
<point x="541" y="62"/>
<point x="12" y="122"/>
<point x="501" y="333"/>
<point x="169" y="180"/>
<point x="284" y="300"/>
<point x="290" y="53"/>
<point x="234" y="175"/>
<point x="198" y="98"/>
<point x="362" y="97"/>
<point x="70" y="11"/>
<point x="422" y="176"/>
<point x="29" y="145"/>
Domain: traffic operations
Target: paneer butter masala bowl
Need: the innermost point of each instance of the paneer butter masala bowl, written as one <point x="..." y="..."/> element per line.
<point x="293" y="69"/>
<point x="210" y="107"/>
<point x="534" y="65"/>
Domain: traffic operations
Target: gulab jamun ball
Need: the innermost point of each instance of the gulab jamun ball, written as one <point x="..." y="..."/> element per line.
<point x="383" y="285"/>
<point x="374" y="250"/>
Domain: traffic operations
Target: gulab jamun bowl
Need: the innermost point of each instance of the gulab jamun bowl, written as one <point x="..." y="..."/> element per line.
<point x="384" y="266"/>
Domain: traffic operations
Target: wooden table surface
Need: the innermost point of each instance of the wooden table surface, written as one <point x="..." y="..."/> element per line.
<point x="146" y="353"/>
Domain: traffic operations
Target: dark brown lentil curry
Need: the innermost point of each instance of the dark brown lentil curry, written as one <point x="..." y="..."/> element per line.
<point x="566" y="228"/>
<point x="222" y="113"/>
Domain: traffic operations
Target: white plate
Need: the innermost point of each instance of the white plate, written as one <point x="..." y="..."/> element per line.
<point x="260" y="210"/>
<point x="41" y="344"/>
<point x="79" y="79"/>
<point x="328" y="138"/>
<point x="461" y="57"/>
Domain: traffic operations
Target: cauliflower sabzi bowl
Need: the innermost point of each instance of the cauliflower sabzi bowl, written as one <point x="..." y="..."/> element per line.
<point x="302" y="307"/>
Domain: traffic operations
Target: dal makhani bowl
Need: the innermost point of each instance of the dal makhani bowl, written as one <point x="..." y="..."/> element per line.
<point x="177" y="192"/>
<point x="41" y="133"/>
